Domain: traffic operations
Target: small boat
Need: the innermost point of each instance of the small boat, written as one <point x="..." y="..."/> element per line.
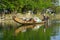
<point x="21" y="21"/>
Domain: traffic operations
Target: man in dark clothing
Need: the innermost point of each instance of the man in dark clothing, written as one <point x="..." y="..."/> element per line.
<point x="45" y="18"/>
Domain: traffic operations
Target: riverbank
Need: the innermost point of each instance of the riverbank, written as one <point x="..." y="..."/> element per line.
<point x="19" y="15"/>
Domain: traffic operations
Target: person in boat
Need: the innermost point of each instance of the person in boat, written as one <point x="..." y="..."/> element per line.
<point x="36" y="19"/>
<point x="24" y="19"/>
<point x="27" y="19"/>
<point x="45" y="18"/>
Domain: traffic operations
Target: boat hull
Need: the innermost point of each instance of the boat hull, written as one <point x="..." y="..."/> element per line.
<point x="20" y="21"/>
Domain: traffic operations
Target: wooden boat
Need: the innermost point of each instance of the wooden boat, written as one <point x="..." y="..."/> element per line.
<point x="21" y="21"/>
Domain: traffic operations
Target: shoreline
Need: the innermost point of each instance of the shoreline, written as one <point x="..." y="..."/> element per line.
<point x="19" y="15"/>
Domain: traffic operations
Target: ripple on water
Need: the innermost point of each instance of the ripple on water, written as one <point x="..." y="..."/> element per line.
<point x="56" y="37"/>
<point x="1" y="35"/>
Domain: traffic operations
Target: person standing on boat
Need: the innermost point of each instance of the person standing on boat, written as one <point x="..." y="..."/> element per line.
<point x="45" y="18"/>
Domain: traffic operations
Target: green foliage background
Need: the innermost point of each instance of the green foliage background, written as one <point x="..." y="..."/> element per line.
<point x="19" y="4"/>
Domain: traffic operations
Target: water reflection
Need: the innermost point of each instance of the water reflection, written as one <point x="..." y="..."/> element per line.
<point x="28" y="32"/>
<point x="56" y="33"/>
<point x="1" y="33"/>
<point x="24" y="28"/>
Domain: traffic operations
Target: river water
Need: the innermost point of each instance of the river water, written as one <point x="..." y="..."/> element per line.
<point x="8" y="28"/>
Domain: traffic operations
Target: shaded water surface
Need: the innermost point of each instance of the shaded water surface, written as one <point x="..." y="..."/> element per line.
<point x="8" y="28"/>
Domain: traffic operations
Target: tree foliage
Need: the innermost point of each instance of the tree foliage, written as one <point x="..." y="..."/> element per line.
<point x="29" y="4"/>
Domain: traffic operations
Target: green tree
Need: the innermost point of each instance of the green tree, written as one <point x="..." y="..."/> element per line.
<point x="17" y="5"/>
